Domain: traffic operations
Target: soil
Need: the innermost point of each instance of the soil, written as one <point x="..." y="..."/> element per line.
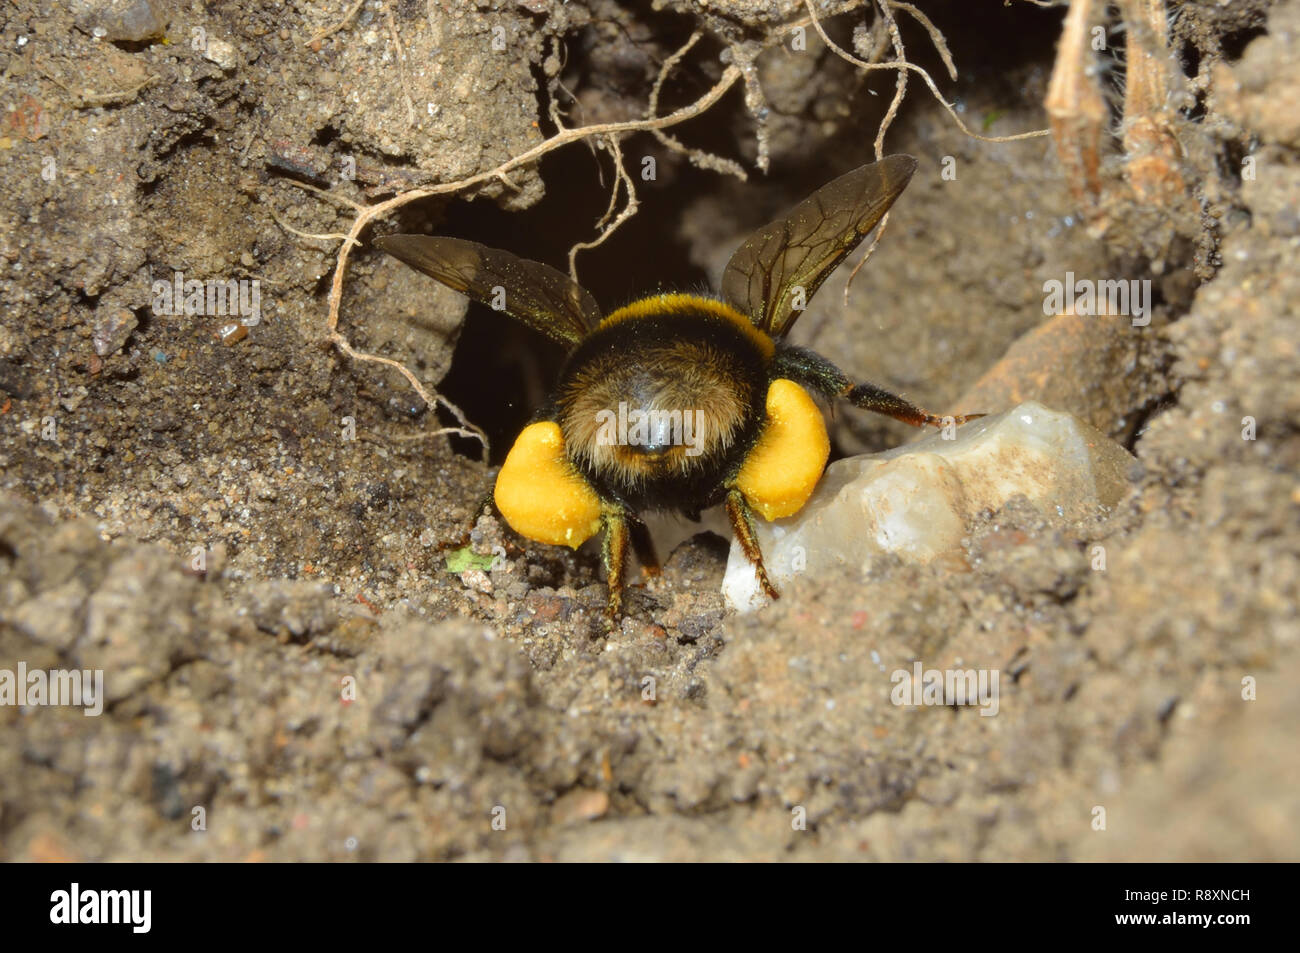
<point x="250" y="533"/>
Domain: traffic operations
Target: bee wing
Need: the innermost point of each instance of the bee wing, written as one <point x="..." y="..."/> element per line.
<point x="802" y="249"/>
<point x="533" y="294"/>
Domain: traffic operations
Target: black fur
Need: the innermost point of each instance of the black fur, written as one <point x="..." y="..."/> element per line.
<point x="739" y="365"/>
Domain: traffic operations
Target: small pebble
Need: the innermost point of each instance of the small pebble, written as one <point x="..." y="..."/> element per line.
<point x="232" y="333"/>
<point x="112" y="331"/>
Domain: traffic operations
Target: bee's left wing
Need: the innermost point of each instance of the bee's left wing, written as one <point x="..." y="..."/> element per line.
<point x="534" y="294"/>
<point x="765" y="275"/>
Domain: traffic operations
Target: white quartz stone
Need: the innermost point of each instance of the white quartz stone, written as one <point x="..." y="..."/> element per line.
<point x="918" y="500"/>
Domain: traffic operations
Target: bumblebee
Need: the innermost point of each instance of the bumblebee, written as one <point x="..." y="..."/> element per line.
<point x="677" y="401"/>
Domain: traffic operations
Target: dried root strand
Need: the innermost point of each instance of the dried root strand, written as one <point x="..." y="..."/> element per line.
<point x="903" y="65"/>
<point x="331" y="30"/>
<point x="367" y="214"/>
<point x="605" y="225"/>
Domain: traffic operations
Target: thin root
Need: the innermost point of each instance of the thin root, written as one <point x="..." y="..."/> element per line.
<point x="330" y="30"/>
<point x="367" y="214"/>
<point x="902" y="65"/>
<point x="697" y="157"/>
<point x="629" y="209"/>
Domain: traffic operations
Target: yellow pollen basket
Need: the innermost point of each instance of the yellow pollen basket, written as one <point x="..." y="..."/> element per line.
<point x="782" y="470"/>
<point x="539" y="493"/>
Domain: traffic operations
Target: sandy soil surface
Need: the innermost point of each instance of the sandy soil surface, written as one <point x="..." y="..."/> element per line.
<point x="250" y="533"/>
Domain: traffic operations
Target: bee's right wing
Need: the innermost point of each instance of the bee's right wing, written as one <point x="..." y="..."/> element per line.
<point x="790" y="258"/>
<point x="534" y="294"/>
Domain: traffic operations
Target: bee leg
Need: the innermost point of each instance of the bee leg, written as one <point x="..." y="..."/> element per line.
<point x="870" y="397"/>
<point x="643" y="546"/>
<point x="742" y="523"/>
<point x="614" y="553"/>
<point x="814" y="371"/>
<point x="485" y="505"/>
